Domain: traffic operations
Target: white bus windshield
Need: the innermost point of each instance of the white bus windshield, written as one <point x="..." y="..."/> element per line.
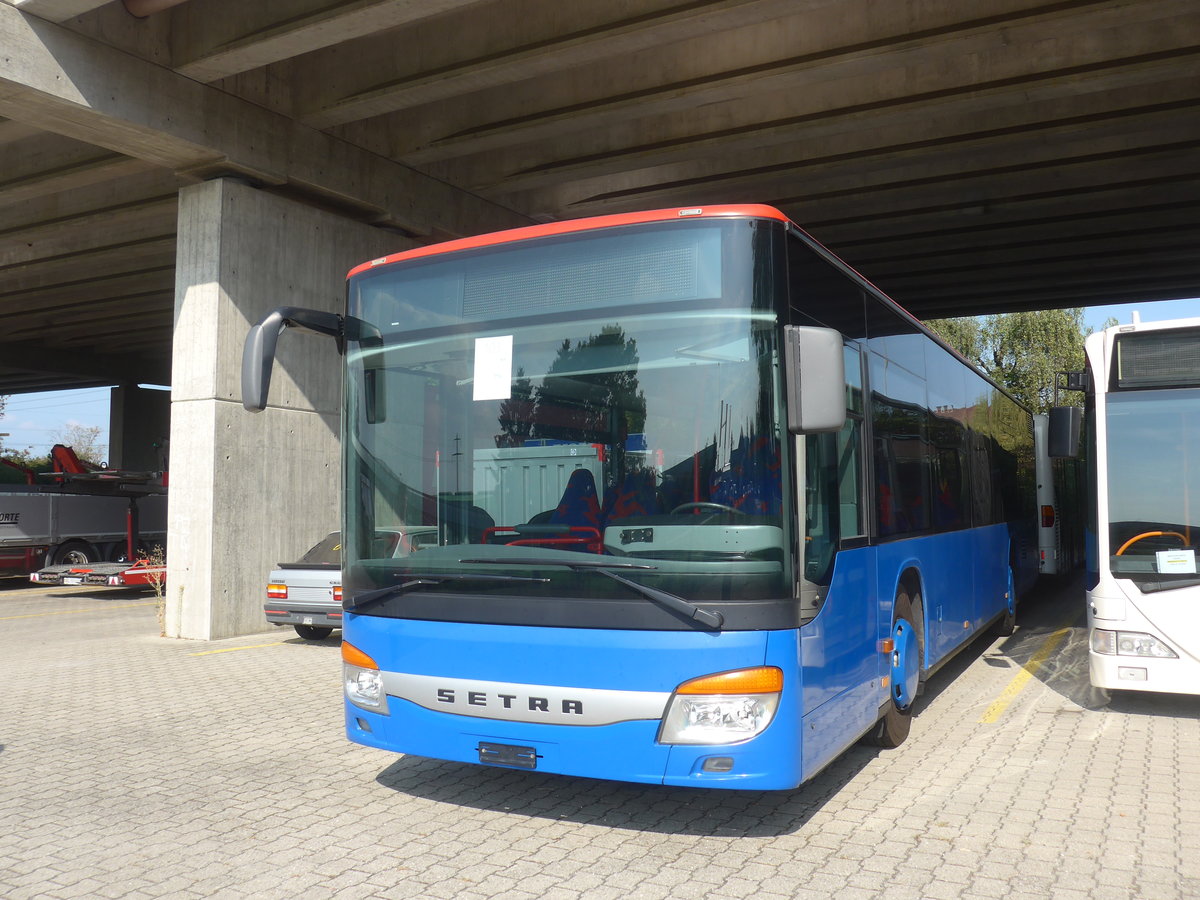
<point x="1154" y="486"/>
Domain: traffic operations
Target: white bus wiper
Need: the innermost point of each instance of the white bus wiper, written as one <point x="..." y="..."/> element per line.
<point x="368" y="598"/>
<point x="678" y="604"/>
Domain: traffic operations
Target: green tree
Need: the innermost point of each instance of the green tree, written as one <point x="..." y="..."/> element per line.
<point x="84" y="440"/>
<point x="1022" y="352"/>
<point x="591" y="390"/>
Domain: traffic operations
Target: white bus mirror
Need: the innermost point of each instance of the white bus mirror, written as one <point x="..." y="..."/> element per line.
<point x="1063" y="436"/>
<point x="815" y="375"/>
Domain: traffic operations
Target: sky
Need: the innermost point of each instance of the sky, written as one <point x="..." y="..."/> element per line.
<point x="36" y="421"/>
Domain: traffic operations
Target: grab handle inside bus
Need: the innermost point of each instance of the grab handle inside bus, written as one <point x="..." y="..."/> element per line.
<point x="258" y="354"/>
<point x="815" y="371"/>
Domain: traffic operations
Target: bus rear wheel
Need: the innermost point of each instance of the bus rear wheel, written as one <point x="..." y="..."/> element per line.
<point x="893" y="726"/>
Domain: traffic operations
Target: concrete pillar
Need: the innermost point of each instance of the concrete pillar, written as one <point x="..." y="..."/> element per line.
<point x="250" y="490"/>
<point x="139" y="425"/>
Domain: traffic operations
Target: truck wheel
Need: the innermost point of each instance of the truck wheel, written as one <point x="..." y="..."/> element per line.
<point x="313" y="632"/>
<point x="74" y="553"/>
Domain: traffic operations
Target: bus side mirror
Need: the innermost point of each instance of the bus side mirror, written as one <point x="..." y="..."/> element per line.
<point x="1063" y="436"/>
<point x="258" y="353"/>
<point x="815" y="374"/>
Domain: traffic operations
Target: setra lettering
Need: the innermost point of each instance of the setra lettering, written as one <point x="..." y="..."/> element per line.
<point x="508" y="701"/>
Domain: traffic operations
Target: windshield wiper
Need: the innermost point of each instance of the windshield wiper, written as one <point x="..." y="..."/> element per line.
<point x="674" y="602"/>
<point x="368" y="598"/>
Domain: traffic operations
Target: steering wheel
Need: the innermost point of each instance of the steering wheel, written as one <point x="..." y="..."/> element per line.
<point x="704" y="504"/>
<point x="1149" y="534"/>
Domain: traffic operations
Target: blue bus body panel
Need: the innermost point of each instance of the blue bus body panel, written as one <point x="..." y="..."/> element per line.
<point x="834" y="671"/>
<point x="964" y="576"/>
<point x="841" y="662"/>
<point x="585" y="658"/>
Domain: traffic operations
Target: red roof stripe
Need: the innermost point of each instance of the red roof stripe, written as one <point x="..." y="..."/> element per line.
<point x="749" y="210"/>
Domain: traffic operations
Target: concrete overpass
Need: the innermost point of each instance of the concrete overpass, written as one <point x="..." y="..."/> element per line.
<point x="164" y="179"/>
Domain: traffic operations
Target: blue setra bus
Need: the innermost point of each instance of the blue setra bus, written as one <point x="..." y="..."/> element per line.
<point x="710" y="507"/>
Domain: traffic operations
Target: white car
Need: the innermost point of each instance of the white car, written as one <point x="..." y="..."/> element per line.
<point x="308" y="594"/>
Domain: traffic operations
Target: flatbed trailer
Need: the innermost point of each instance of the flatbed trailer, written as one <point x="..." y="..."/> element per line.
<point x="87" y="519"/>
<point x="114" y="574"/>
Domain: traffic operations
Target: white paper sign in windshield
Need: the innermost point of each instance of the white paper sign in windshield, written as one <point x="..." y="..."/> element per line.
<point x="493" y="367"/>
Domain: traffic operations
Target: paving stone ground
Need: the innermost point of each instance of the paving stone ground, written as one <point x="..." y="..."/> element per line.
<point x="134" y="766"/>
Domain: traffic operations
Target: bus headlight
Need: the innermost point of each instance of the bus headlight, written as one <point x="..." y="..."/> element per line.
<point x="1129" y="643"/>
<point x="722" y="709"/>
<point x="362" y="679"/>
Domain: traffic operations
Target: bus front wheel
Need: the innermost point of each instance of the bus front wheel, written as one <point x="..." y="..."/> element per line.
<point x="893" y="726"/>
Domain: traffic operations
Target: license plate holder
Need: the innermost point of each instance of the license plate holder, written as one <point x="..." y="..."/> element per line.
<point x="509" y="755"/>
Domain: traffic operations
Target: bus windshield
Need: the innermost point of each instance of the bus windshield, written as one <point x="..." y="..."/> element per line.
<point x="1154" y="486"/>
<point x="567" y="431"/>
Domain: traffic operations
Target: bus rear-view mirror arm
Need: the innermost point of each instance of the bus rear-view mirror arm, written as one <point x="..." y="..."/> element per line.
<point x="815" y="374"/>
<point x="258" y="354"/>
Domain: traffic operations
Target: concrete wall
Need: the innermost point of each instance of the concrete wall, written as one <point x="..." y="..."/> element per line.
<point x="139" y="425"/>
<point x="249" y="490"/>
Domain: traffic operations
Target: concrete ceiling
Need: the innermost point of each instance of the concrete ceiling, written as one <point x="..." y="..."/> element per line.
<point x="969" y="156"/>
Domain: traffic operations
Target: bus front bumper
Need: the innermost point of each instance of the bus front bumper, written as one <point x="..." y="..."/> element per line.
<point x="623" y="751"/>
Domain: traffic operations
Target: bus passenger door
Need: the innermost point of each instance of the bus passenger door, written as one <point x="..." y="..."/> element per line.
<point x="837" y="588"/>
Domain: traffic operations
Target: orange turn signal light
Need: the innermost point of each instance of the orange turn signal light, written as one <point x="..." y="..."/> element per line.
<point x="277" y="591"/>
<point x="759" y="680"/>
<point x="355" y="657"/>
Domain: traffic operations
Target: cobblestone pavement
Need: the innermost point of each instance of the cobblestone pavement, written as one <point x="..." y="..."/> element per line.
<point x="137" y="766"/>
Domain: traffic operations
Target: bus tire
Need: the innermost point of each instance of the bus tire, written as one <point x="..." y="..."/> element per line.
<point x="893" y="726"/>
<point x="74" y="553"/>
<point x="313" y="632"/>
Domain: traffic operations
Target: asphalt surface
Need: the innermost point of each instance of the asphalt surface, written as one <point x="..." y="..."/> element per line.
<point x="134" y="766"/>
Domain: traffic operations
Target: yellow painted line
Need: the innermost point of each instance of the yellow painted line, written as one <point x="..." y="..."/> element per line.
<point x="236" y="649"/>
<point x="1028" y="670"/>
<point x="69" y="612"/>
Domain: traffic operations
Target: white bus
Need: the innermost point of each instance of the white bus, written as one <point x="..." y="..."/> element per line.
<point x="1142" y="431"/>
<point x="1060" y="485"/>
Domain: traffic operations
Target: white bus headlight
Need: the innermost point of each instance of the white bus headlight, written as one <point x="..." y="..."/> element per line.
<point x="362" y="679"/>
<point x="1129" y="643"/>
<point x="724" y="708"/>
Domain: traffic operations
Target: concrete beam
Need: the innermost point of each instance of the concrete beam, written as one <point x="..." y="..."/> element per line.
<point x="893" y="181"/>
<point x="56" y="10"/>
<point x="835" y="130"/>
<point x="143" y="183"/>
<point x="80" y="88"/>
<point x="112" y="368"/>
<point x="65" y="311"/>
<point x="225" y="37"/>
<point x="964" y="230"/>
<point x="799" y="68"/>
<point x="501" y="45"/>
<point x="49" y="164"/>
<point x="124" y="224"/>
<point x="84" y="265"/>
